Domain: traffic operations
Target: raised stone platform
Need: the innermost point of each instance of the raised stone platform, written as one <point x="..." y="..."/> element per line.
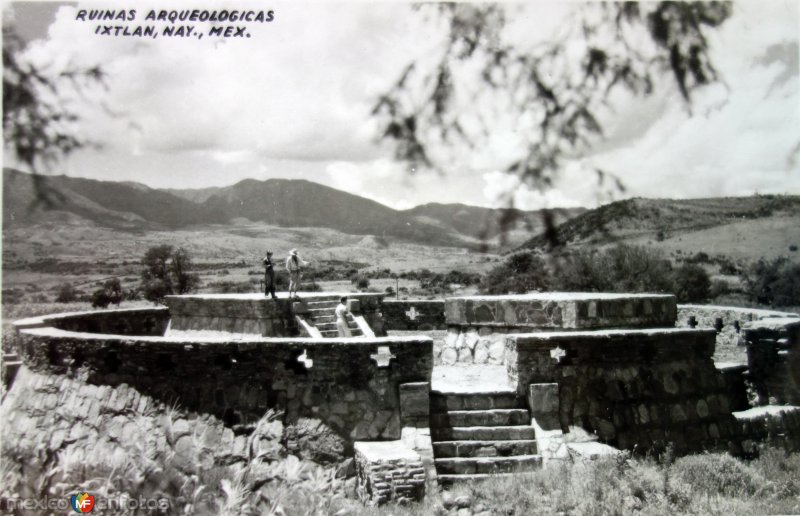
<point x="563" y="310"/>
<point x="477" y="326"/>
<point x="635" y="389"/>
<point x="256" y="314"/>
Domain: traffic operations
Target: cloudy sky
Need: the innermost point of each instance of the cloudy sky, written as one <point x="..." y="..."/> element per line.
<point x="293" y="100"/>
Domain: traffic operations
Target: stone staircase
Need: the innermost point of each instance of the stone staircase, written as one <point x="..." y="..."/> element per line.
<point x="322" y="315"/>
<point x="477" y="435"/>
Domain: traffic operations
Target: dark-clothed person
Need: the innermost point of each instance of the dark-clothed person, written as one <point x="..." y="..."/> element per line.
<point x="269" y="276"/>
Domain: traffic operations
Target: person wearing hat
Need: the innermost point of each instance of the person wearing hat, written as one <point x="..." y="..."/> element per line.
<point x="294" y="264"/>
<point x="269" y="276"/>
<point x="341" y="318"/>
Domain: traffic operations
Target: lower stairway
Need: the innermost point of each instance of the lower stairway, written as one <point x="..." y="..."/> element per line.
<point x="322" y="315"/>
<point x="478" y="435"/>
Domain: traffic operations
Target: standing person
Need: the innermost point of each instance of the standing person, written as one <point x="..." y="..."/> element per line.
<point x="269" y="276"/>
<point x="294" y="264"/>
<point x="341" y="318"/>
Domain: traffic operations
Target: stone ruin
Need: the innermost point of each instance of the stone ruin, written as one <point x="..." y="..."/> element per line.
<point x="518" y="381"/>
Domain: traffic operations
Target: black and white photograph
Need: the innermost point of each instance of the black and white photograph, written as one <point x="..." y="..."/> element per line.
<point x="400" y="258"/>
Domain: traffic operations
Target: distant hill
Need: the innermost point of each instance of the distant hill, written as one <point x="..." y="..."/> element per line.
<point x="487" y="223"/>
<point x="28" y="199"/>
<point x="276" y="202"/>
<point x="300" y="203"/>
<point x="743" y="227"/>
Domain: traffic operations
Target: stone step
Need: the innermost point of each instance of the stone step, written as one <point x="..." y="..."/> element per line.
<point x="335" y="333"/>
<point x="483" y="433"/>
<point x="487" y="465"/>
<point x="443" y="449"/>
<point x="483" y="401"/>
<point x="324" y="318"/>
<point x="492" y="417"/>
<point x="317" y="312"/>
<point x="332" y="325"/>
<point x="315" y="305"/>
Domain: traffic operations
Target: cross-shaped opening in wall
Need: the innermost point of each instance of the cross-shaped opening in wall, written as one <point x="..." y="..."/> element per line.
<point x="305" y="360"/>
<point x="383" y="356"/>
<point x="557" y="354"/>
<point x="413" y="314"/>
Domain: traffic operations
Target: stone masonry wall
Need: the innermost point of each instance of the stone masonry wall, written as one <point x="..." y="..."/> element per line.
<point x="731" y="320"/>
<point x="478" y="325"/>
<point x="637" y="389"/>
<point x="414" y="314"/>
<point x="237" y="381"/>
<point x="129" y="321"/>
<point x="735" y="377"/>
<point x="563" y="310"/>
<point x="473" y="345"/>
<point x="255" y="314"/>
<point x="773" y="356"/>
<point x="774" y="426"/>
<point x="45" y="414"/>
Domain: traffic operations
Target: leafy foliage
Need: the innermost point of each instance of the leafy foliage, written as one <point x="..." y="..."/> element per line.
<point x="38" y="124"/>
<point x="110" y="292"/>
<point x="521" y="272"/>
<point x="774" y="283"/>
<point x="718" y="474"/>
<point x="692" y="283"/>
<point x="166" y="271"/>
<point x="360" y="281"/>
<point x="557" y="90"/>
<point x="622" y="268"/>
<point x="619" y="269"/>
<point x="66" y="294"/>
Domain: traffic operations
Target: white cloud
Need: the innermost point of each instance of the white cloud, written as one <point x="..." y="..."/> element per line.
<point x="500" y="188"/>
<point x="392" y="184"/>
<point x="301" y="87"/>
<point x="738" y="137"/>
<point x="294" y="101"/>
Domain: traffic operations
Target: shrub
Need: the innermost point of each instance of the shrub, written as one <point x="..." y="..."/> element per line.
<point x="360" y="281"/>
<point x="692" y="283"/>
<point x="12" y="296"/>
<point x="100" y="298"/>
<point x="700" y="257"/>
<point x="719" y="288"/>
<point x="622" y="268"/>
<point x="110" y="292"/>
<point x="230" y="287"/>
<point x="166" y="271"/>
<point x="775" y="283"/>
<point x="520" y="273"/>
<point x="66" y="294"/>
<point x="718" y="473"/>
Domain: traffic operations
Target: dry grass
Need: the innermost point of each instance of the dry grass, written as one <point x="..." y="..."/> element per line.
<point x="626" y="485"/>
<point x="698" y="484"/>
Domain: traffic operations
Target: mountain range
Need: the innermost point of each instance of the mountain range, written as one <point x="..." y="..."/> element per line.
<point x="743" y="228"/>
<point x="30" y="199"/>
